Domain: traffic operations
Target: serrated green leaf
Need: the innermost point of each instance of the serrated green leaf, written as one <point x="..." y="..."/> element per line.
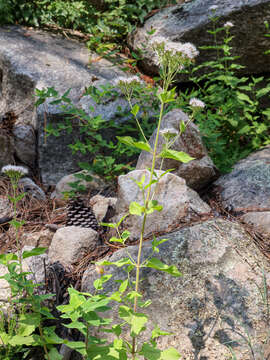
<point x="176" y="155"/>
<point x="128" y="140"/>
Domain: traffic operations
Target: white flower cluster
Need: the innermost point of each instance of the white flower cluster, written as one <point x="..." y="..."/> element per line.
<point x="121" y="80"/>
<point x="228" y="24"/>
<point x="196" y="103"/>
<point x="213" y="8"/>
<point x="168" y="133"/>
<point x="16" y="170"/>
<point x="19" y="169"/>
<point x="186" y="50"/>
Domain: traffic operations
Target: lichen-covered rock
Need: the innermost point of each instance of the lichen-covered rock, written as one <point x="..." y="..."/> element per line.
<point x="177" y="200"/>
<point x="189" y="22"/>
<point x="215" y="303"/>
<point x="71" y="243"/>
<point x="197" y="173"/>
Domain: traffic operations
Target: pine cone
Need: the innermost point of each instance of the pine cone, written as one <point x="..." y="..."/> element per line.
<point x="80" y="215"/>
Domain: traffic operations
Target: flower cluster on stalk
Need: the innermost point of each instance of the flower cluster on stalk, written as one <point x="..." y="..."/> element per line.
<point x="14" y="172"/>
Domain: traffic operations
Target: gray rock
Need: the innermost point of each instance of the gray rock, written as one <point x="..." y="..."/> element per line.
<point x="247" y="187"/>
<point x="189" y="23"/>
<point x="197" y="173"/>
<point x="260" y="220"/>
<point x="63" y="185"/>
<point x="6" y="209"/>
<point x="101" y="204"/>
<point x="71" y="243"/>
<point x="31" y="59"/>
<point x="171" y="192"/>
<point x="25" y="144"/>
<point x="32" y="189"/>
<point x="36" y="265"/>
<point x="7" y="149"/>
<point x="216" y="301"/>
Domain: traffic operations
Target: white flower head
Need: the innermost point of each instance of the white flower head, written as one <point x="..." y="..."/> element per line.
<point x="213" y="8"/>
<point x="196" y="103"/>
<point x="121" y="80"/>
<point x="189" y="50"/>
<point x="168" y="133"/>
<point x="228" y="24"/>
<point x="13" y="171"/>
<point x="158" y="40"/>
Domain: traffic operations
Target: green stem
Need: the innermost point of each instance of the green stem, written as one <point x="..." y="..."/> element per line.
<point x="133" y="352"/>
<point x="137" y="121"/>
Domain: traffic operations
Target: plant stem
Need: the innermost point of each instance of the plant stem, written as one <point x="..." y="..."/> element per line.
<point x="133" y="352"/>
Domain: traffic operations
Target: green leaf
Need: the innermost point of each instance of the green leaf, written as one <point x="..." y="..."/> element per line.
<point x="22" y="340"/>
<point x="267" y="113"/>
<point x="157" y="242"/>
<point x="115" y="239"/>
<point x="98" y="283"/>
<point x="119" y="263"/>
<point x="244" y="97"/>
<point x="159" y="265"/>
<point x="128" y="140"/>
<point x="170" y="354"/>
<point x="176" y="155"/>
<point x="150" y="352"/>
<point x="182" y="127"/>
<point x="137" y="323"/>
<point x="135" y="208"/>
<point x="54" y="354"/>
<point x="167" y="96"/>
<point x="123" y="286"/>
<point x="34" y="252"/>
<point x="157" y="332"/>
<point x="152" y="206"/>
<point x="244" y="130"/>
<point x="135" y="109"/>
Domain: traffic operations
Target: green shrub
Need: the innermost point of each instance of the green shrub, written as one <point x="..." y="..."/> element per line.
<point x="234" y="123"/>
